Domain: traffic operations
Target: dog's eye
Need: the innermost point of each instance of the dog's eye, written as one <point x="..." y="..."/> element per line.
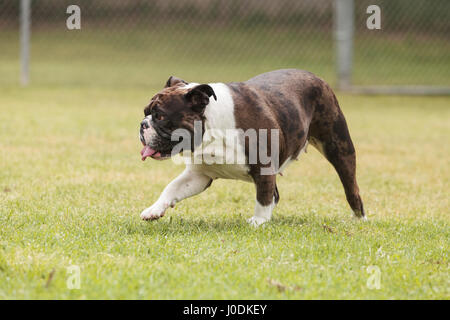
<point x="157" y="115"/>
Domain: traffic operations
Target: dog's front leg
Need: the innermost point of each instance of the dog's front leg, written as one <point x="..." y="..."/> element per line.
<point x="186" y="185"/>
<point x="265" y="199"/>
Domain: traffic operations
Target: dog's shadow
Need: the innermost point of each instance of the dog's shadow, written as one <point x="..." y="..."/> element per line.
<point x="194" y="225"/>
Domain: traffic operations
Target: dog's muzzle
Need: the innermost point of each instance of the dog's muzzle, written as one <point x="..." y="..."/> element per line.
<point x="156" y="140"/>
<point x="145" y="124"/>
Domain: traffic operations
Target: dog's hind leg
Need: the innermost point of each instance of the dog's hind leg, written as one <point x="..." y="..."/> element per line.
<point x="334" y="142"/>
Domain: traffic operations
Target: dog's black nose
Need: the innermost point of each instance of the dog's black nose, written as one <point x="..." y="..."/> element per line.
<point x="144" y="124"/>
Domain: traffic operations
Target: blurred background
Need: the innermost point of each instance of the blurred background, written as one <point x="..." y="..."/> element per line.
<point x="140" y="43"/>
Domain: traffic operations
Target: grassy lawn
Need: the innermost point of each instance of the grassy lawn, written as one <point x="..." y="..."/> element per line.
<point x="72" y="186"/>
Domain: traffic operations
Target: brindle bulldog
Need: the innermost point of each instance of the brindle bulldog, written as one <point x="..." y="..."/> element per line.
<point x="296" y="105"/>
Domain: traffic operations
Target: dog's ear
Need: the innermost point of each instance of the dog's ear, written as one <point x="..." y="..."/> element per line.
<point x="199" y="95"/>
<point x="173" y="81"/>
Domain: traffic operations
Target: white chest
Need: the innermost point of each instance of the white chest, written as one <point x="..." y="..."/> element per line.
<point x="221" y="154"/>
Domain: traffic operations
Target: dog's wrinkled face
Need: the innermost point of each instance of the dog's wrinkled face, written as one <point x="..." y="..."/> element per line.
<point x="177" y="106"/>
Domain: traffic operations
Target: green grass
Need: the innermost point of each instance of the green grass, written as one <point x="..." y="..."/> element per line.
<point x="72" y="186"/>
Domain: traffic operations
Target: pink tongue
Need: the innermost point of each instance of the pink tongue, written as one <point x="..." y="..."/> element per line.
<point x="147" y="152"/>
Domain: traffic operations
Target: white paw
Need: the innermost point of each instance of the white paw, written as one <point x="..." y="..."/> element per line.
<point x="360" y="218"/>
<point x="154" y="212"/>
<point x="257" y="221"/>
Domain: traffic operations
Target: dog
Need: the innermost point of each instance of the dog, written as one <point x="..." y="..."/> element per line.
<point x="298" y="106"/>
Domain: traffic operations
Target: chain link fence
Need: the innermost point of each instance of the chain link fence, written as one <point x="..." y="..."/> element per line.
<point x="140" y="43"/>
<point x="411" y="49"/>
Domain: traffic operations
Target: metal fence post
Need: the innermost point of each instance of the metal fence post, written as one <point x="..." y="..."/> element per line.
<point x="344" y="32"/>
<point x="25" y="42"/>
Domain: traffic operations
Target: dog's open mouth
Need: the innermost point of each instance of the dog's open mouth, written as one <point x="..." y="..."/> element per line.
<point x="149" y="152"/>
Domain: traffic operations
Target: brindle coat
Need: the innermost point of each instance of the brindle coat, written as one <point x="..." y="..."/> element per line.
<point x="304" y="108"/>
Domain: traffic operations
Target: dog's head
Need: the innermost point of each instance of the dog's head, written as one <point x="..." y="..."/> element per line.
<point x="177" y="106"/>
